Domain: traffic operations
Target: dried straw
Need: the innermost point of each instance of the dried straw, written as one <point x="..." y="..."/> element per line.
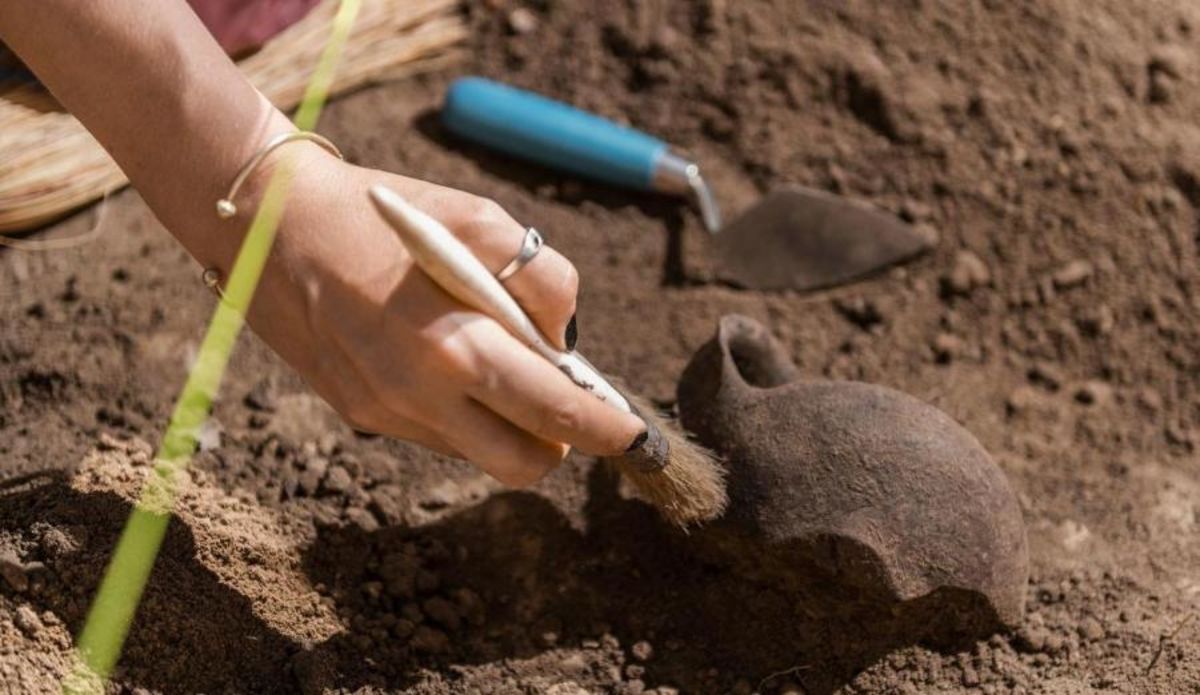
<point x="50" y="164"/>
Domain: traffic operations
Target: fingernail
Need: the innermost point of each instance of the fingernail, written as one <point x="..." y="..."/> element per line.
<point x="638" y="441"/>
<point x="572" y="335"/>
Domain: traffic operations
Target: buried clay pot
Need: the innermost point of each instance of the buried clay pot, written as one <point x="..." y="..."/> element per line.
<point x="854" y="494"/>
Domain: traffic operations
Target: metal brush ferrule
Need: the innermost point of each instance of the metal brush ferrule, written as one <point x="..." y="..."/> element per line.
<point x="674" y="174"/>
<point x="649" y="453"/>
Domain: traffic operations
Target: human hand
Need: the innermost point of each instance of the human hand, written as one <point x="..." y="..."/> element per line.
<point x="339" y="298"/>
<point x="343" y="303"/>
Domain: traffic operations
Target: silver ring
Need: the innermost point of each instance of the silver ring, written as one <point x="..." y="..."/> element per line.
<point x="530" y="245"/>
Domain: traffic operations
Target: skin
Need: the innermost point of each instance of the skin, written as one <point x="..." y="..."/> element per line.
<point x="340" y="299"/>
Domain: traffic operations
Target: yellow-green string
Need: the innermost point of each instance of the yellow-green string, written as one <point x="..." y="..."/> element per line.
<point x="99" y="644"/>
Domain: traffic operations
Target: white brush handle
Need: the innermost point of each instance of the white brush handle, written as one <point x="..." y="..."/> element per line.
<point x="457" y="271"/>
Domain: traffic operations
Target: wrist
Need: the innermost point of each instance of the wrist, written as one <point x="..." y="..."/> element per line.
<point x="228" y="218"/>
<point x="288" y="290"/>
<point x="278" y="161"/>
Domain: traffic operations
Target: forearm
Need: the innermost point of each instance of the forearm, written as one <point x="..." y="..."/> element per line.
<point x="156" y="90"/>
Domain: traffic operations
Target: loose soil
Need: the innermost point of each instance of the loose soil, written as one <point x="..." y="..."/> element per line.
<point x="1051" y="143"/>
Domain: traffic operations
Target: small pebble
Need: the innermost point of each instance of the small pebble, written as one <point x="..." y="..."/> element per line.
<point x="968" y="272"/>
<point x="1169" y="60"/>
<point x="1162" y="88"/>
<point x="1093" y="393"/>
<point x="442" y="612"/>
<point x="1055" y="643"/>
<point x="314" y="671"/>
<point x="209" y="437"/>
<point x="373" y="590"/>
<point x="522" y="21"/>
<point x="970" y="677"/>
<point x="29" y="622"/>
<point x="1046" y="374"/>
<point x="430" y="640"/>
<point x="13" y="571"/>
<point x="445" y="494"/>
<point x="262" y="397"/>
<point x="386" y="502"/>
<point x="309" y="482"/>
<point x="1098" y="322"/>
<point x="470" y="606"/>
<point x="362" y="519"/>
<point x="1032" y="639"/>
<point x="337" y="480"/>
<point x="327" y="445"/>
<point x="947" y="346"/>
<point x="404" y="628"/>
<point x="1179" y="434"/>
<point x="863" y="312"/>
<point x="1091" y="629"/>
<point x="912" y="210"/>
<point x="927" y="233"/>
<point x="55" y="542"/>
<point x="1072" y="274"/>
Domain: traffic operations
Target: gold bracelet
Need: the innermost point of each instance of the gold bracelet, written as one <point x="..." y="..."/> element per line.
<point x="226" y="207"/>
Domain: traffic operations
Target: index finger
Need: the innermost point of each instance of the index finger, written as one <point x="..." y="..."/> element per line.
<point x="528" y="391"/>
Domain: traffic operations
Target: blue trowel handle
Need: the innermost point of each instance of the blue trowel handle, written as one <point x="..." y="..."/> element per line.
<point x="530" y="126"/>
<point x="549" y="132"/>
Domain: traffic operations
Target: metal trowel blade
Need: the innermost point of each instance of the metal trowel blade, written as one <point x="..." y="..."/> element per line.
<point x="801" y="238"/>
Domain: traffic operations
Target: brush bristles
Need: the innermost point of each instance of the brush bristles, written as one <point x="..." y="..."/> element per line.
<point x="690" y="489"/>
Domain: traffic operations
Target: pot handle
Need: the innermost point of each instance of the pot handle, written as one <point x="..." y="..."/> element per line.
<point x="740" y="359"/>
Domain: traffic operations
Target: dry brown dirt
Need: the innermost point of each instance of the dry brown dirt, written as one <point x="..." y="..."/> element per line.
<point x="1054" y="146"/>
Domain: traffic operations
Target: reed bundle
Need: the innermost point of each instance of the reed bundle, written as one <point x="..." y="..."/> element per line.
<point x="50" y="164"/>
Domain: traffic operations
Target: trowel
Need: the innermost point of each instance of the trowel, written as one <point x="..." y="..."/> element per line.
<point x="793" y="238"/>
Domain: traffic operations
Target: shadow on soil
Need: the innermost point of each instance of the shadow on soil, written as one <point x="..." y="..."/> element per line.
<point x="627" y="575"/>
<point x="532" y="573"/>
<point x="192" y="633"/>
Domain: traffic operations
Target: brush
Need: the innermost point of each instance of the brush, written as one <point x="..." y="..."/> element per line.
<point x="679" y="477"/>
